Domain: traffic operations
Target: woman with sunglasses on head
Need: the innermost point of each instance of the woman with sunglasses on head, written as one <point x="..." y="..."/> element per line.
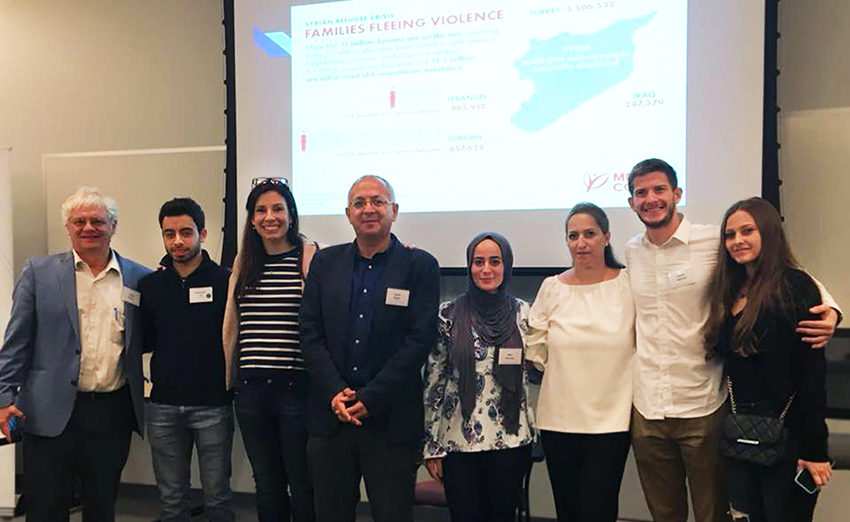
<point x="758" y="294"/>
<point x="479" y="425"/>
<point x="262" y="353"/>
<point x="582" y="335"/>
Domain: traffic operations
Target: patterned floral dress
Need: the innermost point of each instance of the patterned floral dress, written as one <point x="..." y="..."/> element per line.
<point x="446" y="430"/>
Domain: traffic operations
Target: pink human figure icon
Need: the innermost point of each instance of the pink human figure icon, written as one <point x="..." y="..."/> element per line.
<point x="303" y="141"/>
<point x="392" y="97"/>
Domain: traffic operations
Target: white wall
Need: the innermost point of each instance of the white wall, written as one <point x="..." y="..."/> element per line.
<point x="100" y="75"/>
<point x="813" y="54"/>
<point x="815" y="135"/>
<point x="814" y="159"/>
<point x="7" y="453"/>
<point x="95" y="75"/>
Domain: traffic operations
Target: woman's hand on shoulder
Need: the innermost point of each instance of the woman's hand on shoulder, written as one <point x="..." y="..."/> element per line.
<point x="310" y="249"/>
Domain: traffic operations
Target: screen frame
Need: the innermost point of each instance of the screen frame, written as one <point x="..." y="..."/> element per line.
<point x="770" y="146"/>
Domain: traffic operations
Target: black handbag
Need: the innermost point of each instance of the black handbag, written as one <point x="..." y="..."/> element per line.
<point x="755" y="439"/>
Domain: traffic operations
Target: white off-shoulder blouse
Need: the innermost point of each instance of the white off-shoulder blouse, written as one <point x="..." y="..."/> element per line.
<point x="583" y="338"/>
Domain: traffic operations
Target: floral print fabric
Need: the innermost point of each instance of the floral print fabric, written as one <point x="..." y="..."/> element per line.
<point x="446" y="430"/>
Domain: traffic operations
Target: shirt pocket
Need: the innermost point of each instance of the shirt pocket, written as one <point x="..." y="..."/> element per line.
<point x="117" y="326"/>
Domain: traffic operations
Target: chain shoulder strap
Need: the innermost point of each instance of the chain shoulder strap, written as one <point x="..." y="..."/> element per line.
<point x="731" y="395"/>
<point x="732" y="399"/>
<point x="787" y="406"/>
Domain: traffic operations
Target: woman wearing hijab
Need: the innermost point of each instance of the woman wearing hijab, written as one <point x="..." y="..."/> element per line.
<point x="479" y="427"/>
<point x="582" y="334"/>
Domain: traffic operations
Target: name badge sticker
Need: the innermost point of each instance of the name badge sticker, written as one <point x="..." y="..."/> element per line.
<point x="128" y="295"/>
<point x="510" y="356"/>
<point x="201" y="294"/>
<point x="680" y="278"/>
<point x="397" y="297"/>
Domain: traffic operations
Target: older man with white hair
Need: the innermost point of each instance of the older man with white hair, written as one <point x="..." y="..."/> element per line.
<point x="70" y="366"/>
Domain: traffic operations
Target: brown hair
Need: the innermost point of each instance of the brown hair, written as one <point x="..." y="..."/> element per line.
<point x="768" y="289"/>
<point x="252" y="257"/>
<point x="601" y="219"/>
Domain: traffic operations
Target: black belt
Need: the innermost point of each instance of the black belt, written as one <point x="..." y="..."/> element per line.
<point x="93" y="395"/>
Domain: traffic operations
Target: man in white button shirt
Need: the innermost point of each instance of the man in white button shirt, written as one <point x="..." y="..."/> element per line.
<point x="70" y="367"/>
<point x="678" y="394"/>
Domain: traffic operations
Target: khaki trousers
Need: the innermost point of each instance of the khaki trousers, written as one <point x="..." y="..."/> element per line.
<point x="670" y="451"/>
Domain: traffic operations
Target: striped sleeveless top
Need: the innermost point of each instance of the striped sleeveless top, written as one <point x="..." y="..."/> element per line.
<point x="268" y="320"/>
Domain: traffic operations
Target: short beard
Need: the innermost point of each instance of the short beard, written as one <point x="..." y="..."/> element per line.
<point x="192" y="256"/>
<point x="671" y="211"/>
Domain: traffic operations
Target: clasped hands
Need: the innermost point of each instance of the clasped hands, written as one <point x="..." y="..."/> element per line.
<point x="348" y="409"/>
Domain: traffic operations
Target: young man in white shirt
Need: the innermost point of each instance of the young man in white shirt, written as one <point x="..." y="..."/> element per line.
<point x="678" y="394"/>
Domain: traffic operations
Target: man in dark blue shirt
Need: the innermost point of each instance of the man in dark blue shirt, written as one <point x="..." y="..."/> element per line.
<point x="368" y="321"/>
<point x="364" y="286"/>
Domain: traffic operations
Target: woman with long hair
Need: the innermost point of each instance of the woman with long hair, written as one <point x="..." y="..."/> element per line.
<point x="262" y="354"/>
<point x="479" y="425"/>
<point x="757" y="295"/>
<point x="582" y="335"/>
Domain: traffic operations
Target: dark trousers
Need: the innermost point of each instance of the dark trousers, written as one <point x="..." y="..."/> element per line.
<point x="94" y="447"/>
<point x="762" y="494"/>
<point x="271" y="418"/>
<point x="586" y="471"/>
<point x="338" y="463"/>
<point x="485" y="486"/>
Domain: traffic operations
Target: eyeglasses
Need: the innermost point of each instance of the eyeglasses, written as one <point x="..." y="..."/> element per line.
<point x="269" y="181"/>
<point x="81" y="222"/>
<point x="377" y="202"/>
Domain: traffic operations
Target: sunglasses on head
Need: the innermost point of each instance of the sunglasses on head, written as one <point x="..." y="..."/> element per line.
<point x="269" y="181"/>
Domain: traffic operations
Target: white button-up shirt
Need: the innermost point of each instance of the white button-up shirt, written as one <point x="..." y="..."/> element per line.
<point x="101" y="313"/>
<point x="671" y="375"/>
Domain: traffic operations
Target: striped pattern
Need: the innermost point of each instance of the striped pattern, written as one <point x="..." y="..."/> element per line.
<point x="268" y="319"/>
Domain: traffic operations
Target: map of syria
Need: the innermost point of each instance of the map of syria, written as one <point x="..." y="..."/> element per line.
<point x="570" y="69"/>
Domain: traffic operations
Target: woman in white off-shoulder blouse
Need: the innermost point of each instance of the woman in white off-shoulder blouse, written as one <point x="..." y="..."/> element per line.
<point x="582" y="335"/>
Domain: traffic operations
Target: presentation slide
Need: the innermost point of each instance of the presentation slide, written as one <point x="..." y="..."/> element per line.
<point x="482" y="106"/>
<point x="499" y="115"/>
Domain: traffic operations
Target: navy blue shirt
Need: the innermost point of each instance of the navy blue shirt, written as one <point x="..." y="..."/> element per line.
<point x="365" y="284"/>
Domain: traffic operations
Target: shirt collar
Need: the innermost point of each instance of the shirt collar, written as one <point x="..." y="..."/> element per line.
<point x="379" y="256"/>
<point x="113" y="264"/>
<point x="682" y="233"/>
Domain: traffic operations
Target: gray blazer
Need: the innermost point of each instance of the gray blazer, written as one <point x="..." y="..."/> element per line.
<point x="40" y="358"/>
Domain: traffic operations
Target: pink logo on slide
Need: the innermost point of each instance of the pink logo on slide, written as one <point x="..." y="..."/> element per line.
<point x="595" y="181"/>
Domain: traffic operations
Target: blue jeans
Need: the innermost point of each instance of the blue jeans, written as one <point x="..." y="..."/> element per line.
<point x="172" y="431"/>
<point x="271" y="417"/>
